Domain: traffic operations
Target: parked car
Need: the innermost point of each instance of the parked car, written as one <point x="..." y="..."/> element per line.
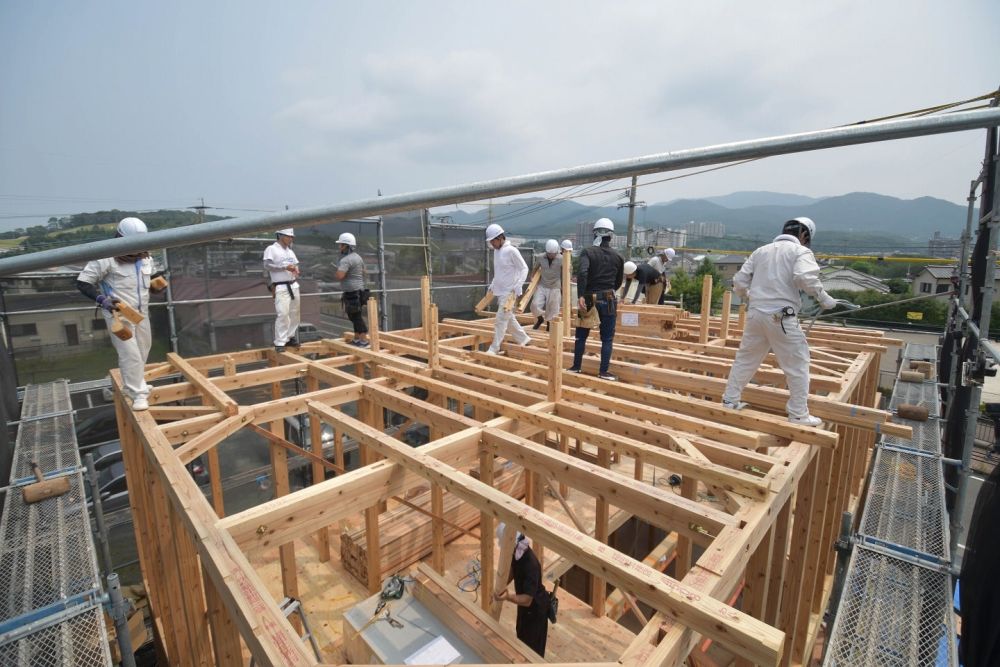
<point x="107" y="454"/>
<point x="98" y="425"/>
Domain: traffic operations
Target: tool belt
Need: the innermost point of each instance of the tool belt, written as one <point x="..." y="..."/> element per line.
<point x="354" y="301"/>
<point x="288" y="285"/>
<point x="590" y="318"/>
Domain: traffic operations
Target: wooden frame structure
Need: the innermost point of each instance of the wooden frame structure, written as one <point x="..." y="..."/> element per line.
<point x="751" y="528"/>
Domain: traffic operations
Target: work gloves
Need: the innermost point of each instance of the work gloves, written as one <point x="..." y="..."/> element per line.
<point x="108" y="303"/>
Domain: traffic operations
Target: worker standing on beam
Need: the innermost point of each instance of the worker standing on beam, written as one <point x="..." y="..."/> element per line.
<point x="125" y="279"/>
<point x="283" y="268"/>
<point x="529" y="595"/>
<point x="509" y="274"/>
<point x="647" y="278"/>
<point x="771" y="279"/>
<point x="548" y="297"/>
<point x="351" y="274"/>
<point x="599" y="275"/>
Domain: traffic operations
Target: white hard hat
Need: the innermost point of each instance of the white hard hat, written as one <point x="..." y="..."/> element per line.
<point x="604" y="224"/>
<point x="348" y="239"/>
<point x="552" y="246"/>
<point x="567" y="245"/>
<point x="287" y="232"/>
<point x="807" y="223"/>
<point x="493" y="231"/>
<point x="129" y="226"/>
<point x="629" y="268"/>
<point x="670" y="252"/>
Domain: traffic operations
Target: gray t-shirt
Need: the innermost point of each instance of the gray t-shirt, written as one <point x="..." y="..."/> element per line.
<point x="551" y="270"/>
<point x="355" y="268"/>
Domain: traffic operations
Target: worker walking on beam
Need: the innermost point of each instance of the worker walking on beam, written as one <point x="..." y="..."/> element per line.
<point x="771" y="279"/>
<point x="548" y="297"/>
<point x="283" y="269"/>
<point x="599" y="275"/>
<point x="125" y="279"/>
<point x="509" y="273"/>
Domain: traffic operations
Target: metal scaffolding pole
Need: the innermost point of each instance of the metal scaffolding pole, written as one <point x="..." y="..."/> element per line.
<point x="660" y="162"/>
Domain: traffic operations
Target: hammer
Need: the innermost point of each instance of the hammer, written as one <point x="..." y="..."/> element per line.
<point x="43" y="488"/>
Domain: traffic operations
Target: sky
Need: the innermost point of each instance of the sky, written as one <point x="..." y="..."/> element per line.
<point x="257" y="105"/>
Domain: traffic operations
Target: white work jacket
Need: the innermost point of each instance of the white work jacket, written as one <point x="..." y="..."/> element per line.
<point x="128" y="281"/>
<point x="509" y="270"/>
<point x="774" y="274"/>
<point x="277" y="259"/>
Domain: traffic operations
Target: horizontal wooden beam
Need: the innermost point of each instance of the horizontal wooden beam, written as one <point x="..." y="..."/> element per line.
<point x="216" y="396"/>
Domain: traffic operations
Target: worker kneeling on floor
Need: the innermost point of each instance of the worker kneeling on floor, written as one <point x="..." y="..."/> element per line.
<point x="123" y="284"/>
<point x="770" y="280"/>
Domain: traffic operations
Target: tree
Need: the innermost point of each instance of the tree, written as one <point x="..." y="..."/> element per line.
<point x="898" y="286"/>
<point x="688" y="287"/>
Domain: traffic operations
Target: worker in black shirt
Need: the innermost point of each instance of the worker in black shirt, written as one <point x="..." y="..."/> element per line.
<point x="598" y="277"/>
<point x="529" y="595"/>
<point x="645" y="275"/>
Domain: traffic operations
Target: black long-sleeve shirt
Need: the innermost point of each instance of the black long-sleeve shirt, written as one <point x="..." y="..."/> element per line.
<point x="601" y="269"/>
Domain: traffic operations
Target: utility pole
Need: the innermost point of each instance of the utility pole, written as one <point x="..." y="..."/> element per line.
<point x="630" y="233"/>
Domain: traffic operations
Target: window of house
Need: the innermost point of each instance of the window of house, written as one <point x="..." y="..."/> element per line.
<point x="925" y="288"/>
<point x="98" y="324"/>
<point x="942" y="288"/>
<point x="24" y="329"/>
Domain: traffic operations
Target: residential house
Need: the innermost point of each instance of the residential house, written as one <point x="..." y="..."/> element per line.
<point x="843" y="278"/>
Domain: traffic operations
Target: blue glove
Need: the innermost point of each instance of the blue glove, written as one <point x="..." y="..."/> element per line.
<point x="108" y="303"/>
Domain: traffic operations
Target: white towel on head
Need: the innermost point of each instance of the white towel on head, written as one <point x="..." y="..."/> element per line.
<point x="522" y="544"/>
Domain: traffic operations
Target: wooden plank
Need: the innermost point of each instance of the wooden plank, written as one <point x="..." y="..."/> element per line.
<point x="706" y="306"/>
<point x="218" y="397"/>
<point x="716" y="620"/>
<point x="598" y="585"/>
<point x="213" y="436"/>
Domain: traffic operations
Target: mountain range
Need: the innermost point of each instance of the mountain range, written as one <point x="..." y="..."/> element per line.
<point x="751" y="216"/>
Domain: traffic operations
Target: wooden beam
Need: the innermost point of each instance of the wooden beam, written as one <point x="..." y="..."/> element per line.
<point x="706" y="306"/>
<point x="207" y="440"/>
<point x="225" y="405"/>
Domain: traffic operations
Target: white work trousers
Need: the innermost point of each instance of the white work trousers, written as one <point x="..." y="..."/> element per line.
<point x="547" y="301"/>
<point x="762" y="334"/>
<point x="286" y="324"/>
<point x="132" y="355"/>
<point x="507" y="323"/>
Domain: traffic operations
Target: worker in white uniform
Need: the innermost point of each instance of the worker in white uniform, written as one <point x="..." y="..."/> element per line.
<point x="125" y="278"/>
<point x="660" y="262"/>
<point x="566" y="245"/>
<point x="509" y="274"/>
<point x="548" y="297"/>
<point x="771" y="278"/>
<point x="283" y="268"/>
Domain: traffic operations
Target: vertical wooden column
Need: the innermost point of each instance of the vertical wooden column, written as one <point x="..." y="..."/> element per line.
<point x="598" y="587"/>
<point x="373" y="323"/>
<point x="816" y="552"/>
<point x="564" y="448"/>
<point x="486" y="530"/>
<point x="555" y="360"/>
<point x="507" y="544"/>
<point x="279" y="474"/>
<point x="433" y="348"/>
<point x="437" y="509"/>
<point x="706" y="307"/>
<point x="683" y="562"/>
<point x="792" y="591"/>
<point x="225" y="636"/>
<point x="741" y="319"/>
<point x="538" y="502"/>
<point x="146" y="538"/>
<point x="366" y="414"/>
<point x="567" y="291"/>
<point x="214" y="466"/>
<point x="425" y="305"/>
<point x="755" y="584"/>
<point x="727" y="304"/>
<point x="318" y="469"/>
<point x="191" y="592"/>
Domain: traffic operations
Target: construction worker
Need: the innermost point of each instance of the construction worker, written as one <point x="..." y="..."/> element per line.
<point x="548" y="297"/>
<point x="125" y="279"/>
<point x="283" y="268"/>
<point x="351" y="274"/>
<point x="529" y="594"/>
<point x="646" y="278"/>
<point x="599" y="275"/>
<point x="659" y="261"/>
<point x="771" y="279"/>
<point x="509" y="274"/>
<point x="566" y="245"/>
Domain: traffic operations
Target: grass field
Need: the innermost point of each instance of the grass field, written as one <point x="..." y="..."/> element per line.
<point x="11" y="243"/>
<point x="60" y="232"/>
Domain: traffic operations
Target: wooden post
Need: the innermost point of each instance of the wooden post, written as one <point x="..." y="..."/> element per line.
<point x="425" y="305"/>
<point x="564" y="448"/>
<point x="538" y="502"/>
<point x="318" y="471"/>
<point x="225" y="636"/>
<point x="437" y="509"/>
<point x="598" y="587"/>
<point x="279" y="474"/>
<point x="741" y="319"/>
<point x="507" y="544"/>
<point x="433" y="353"/>
<point x="727" y="304"/>
<point x="689" y="490"/>
<point x="706" y="307"/>
<point x="373" y="323"/>
<point x="567" y="291"/>
<point x="555" y="360"/>
<point x="486" y="541"/>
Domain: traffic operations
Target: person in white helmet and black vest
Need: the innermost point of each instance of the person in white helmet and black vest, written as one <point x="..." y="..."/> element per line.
<point x="125" y="279"/>
<point x="509" y="273"/>
<point x="771" y="279"/>
<point x="282" y="267"/>
<point x="351" y="274"/>
<point x="548" y="297"/>
<point x="599" y="275"/>
<point x="646" y="277"/>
